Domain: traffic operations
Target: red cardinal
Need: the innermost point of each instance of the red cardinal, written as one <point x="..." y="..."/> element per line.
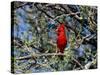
<point x="61" y="38"/>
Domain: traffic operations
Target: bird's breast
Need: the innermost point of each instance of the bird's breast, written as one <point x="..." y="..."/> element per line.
<point x="62" y="39"/>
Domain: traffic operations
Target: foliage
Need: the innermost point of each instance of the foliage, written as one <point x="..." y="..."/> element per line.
<point x="34" y="33"/>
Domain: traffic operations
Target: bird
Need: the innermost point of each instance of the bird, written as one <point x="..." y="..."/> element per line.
<point x="61" y="38"/>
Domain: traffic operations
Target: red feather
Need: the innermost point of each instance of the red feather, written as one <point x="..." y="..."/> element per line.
<point x="61" y="38"/>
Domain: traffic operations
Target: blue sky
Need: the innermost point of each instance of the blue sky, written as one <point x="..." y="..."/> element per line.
<point x="22" y="25"/>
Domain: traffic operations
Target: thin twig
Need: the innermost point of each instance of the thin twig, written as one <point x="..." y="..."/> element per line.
<point x="65" y="7"/>
<point x="19" y="6"/>
<point x="24" y="57"/>
<point x="24" y="47"/>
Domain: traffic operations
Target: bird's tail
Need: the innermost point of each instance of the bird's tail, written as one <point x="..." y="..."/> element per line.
<point x="61" y="56"/>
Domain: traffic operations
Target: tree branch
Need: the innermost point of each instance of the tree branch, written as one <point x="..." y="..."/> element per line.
<point x="40" y="54"/>
<point x="36" y="5"/>
<point x="20" y="4"/>
<point x="77" y="63"/>
<point x="71" y="14"/>
<point x="88" y="65"/>
<point x="69" y="11"/>
<point x="23" y="46"/>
